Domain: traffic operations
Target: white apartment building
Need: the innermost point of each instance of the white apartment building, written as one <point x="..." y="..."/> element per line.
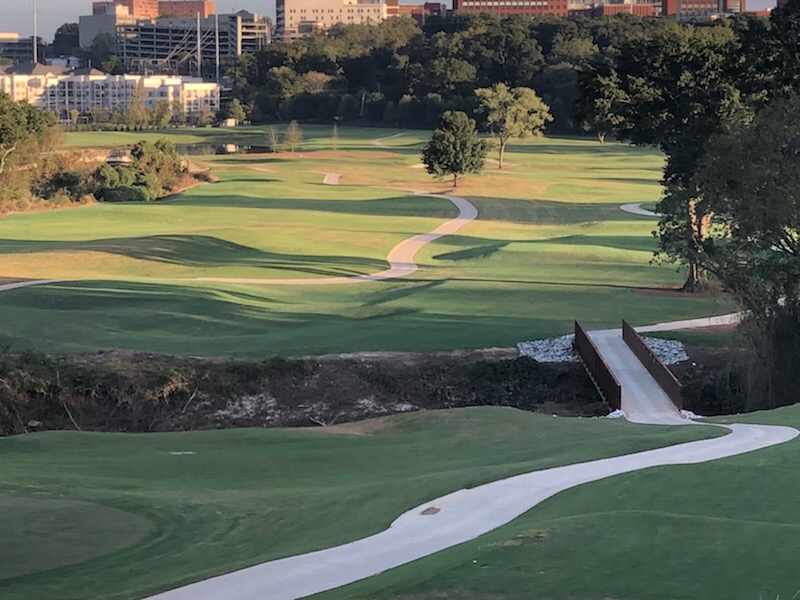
<point x="61" y="90"/>
<point x="295" y="18"/>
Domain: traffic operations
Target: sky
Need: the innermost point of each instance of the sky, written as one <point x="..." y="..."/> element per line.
<point x="16" y="15"/>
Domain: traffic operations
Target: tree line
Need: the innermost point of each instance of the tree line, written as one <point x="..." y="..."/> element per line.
<point x="722" y="102"/>
<point x="398" y="73"/>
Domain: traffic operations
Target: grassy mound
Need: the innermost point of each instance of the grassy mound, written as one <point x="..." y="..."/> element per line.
<point x="725" y="529"/>
<point x="220" y="500"/>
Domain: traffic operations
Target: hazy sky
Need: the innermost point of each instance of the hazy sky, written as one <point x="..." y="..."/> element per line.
<point x="15" y="15"/>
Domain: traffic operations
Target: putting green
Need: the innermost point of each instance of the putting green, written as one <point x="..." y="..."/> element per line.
<point x="42" y="534"/>
<point x="549" y="245"/>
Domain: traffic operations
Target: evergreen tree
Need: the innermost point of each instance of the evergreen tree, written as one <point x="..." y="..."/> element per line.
<point x="455" y="148"/>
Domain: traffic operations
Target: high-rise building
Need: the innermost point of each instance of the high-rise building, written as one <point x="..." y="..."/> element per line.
<point x="701" y="10"/>
<point x="186" y="9"/>
<point x="170" y="45"/>
<point x="18" y="49"/>
<point x="295" y="18"/>
<point x="152" y="9"/>
<point x="418" y="12"/>
<point x="640" y="8"/>
<point x="141" y="9"/>
<point x="105" y="23"/>
<point x="507" y="8"/>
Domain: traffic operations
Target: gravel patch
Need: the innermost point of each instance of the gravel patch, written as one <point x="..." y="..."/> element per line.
<point x="559" y="349"/>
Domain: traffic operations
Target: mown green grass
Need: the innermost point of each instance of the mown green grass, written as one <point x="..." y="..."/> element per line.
<point x="550" y="245"/>
<point x="713" y="338"/>
<point x="246" y="496"/>
<point x="725" y="529"/>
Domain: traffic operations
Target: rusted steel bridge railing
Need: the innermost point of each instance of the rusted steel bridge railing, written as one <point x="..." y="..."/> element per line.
<point x="654" y="365"/>
<point x="598" y="371"/>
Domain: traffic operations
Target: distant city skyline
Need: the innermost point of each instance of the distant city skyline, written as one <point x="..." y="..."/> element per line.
<point x="16" y="16"/>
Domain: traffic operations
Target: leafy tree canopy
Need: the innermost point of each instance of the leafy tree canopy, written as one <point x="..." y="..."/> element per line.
<point x="455" y="148"/>
<point x="512" y="112"/>
<point x="19" y="123"/>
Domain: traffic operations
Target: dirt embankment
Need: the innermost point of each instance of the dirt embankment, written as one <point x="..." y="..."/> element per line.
<point x="140" y="393"/>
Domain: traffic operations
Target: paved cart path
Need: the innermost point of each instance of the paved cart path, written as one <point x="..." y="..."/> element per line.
<point x="636" y="209"/>
<point x="401" y="258"/>
<point x="469" y="513"/>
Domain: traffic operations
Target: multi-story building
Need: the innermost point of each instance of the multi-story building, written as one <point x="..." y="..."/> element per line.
<point x="295" y="18"/>
<point x="61" y="90"/>
<point x="158" y="45"/>
<point x="701" y="10"/>
<point x="18" y="49"/>
<point x="152" y="9"/>
<point x="186" y="9"/>
<point x="141" y="9"/>
<point x="640" y="8"/>
<point x="418" y="12"/>
<point x="507" y="8"/>
<point x="105" y="23"/>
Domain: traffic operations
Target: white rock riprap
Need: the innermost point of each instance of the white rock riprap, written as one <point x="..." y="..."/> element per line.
<point x="559" y="349"/>
<point x="671" y="352"/>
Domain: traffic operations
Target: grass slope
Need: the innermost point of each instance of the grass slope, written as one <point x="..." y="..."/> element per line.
<point x="726" y="529"/>
<point x="246" y="496"/>
<point x="550" y="245"/>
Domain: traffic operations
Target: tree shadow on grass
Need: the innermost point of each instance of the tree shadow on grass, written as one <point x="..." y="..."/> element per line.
<point x="398" y="206"/>
<point x="545" y="212"/>
<point x="202" y="251"/>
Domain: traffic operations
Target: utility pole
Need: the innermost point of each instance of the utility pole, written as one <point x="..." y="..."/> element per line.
<point x="35" y="36"/>
<point x="216" y="41"/>
<point x="199" y="54"/>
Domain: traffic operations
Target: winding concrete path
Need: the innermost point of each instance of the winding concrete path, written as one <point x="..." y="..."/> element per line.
<point x="469" y="513"/>
<point x="454" y="519"/>
<point x="23" y="284"/>
<point x="635" y="208"/>
<point x="400" y="258"/>
<point x="379" y="142"/>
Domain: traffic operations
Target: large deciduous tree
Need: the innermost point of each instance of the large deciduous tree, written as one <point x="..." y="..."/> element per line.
<point x="673" y="90"/>
<point x="751" y="178"/>
<point x="455" y="147"/>
<point x="19" y="123"/>
<point x="512" y="112"/>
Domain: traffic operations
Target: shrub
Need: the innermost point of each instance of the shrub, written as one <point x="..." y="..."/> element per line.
<point x="126" y="193"/>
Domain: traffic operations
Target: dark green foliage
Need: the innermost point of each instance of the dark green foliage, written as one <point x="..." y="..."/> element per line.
<point x="126" y="193"/>
<point x="409" y="76"/>
<point x="673" y="90"/>
<point x="156" y="168"/>
<point x="455" y="148"/>
<point x="65" y="41"/>
<point x="236" y="110"/>
<point x="20" y="124"/>
<point x="750" y="178"/>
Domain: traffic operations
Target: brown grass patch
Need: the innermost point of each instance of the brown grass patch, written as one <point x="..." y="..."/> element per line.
<point x="365" y="427"/>
<point x="528" y="537"/>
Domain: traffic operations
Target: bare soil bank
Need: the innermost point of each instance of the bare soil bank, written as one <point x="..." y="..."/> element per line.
<point x="122" y="391"/>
